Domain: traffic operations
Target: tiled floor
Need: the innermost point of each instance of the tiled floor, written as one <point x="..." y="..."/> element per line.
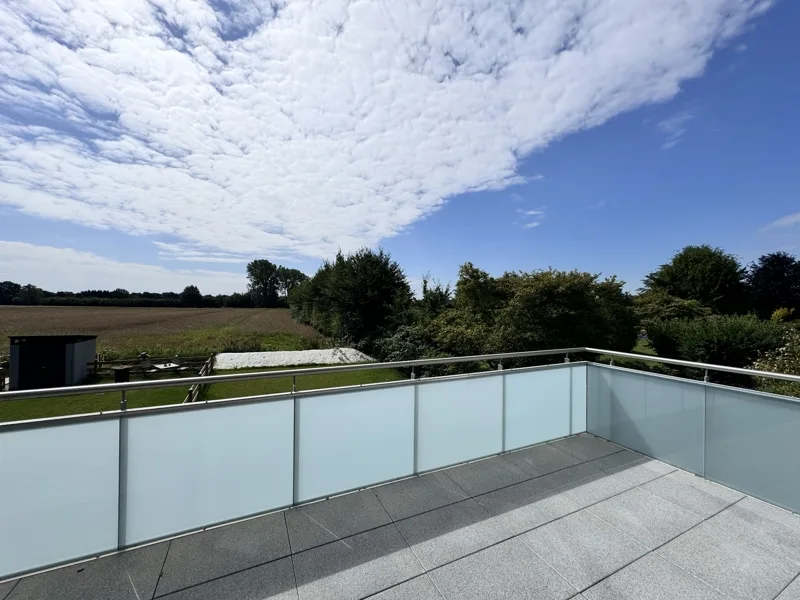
<point x="577" y="518"/>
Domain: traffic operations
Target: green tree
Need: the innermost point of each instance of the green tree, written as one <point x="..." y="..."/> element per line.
<point x="262" y="276"/>
<point x="8" y="291"/>
<point x="355" y="299"/>
<point x="288" y="279"/>
<point x="191" y="296"/>
<point x="658" y="305"/>
<point x="29" y="295"/>
<point x="730" y="340"/>
<point x="774" y="282"/>
<point x="708" y="275"/>
<point x="559" y="309"/>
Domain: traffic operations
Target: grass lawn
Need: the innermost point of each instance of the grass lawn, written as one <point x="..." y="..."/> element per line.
<point x="307" y="382"/>
<point x="644" y="347"/>
<point x="40" y="408"/>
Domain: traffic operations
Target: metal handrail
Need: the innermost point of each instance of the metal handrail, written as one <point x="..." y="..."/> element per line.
<point x="163" y="383"/>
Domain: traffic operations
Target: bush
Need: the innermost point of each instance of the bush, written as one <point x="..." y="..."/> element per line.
<point x="733" y="341"/>
<point x="785" y="359"/>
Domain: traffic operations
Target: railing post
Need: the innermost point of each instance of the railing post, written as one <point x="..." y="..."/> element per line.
<point x="500" y="366"/>
<point x="611" y="362"/>
<point x="705" y="377"/>
<point x="416" y="429"/>
<point x="413" y="374"/>
<point x="294" y="383"/>
<point x="566" y="358"/>
<point x="123" y="403"/>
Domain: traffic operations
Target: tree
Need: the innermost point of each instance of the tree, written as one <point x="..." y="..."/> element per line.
<point x="288" y="279"/>
<point x="708" y="275"/>
<point x="191" y="296"/>
<point x="658" y="305"/>
<point x="262" y="276"/>
<point x="560" y="309"/>
<point x="774" y="282"/>
<point x="29" y="295"/>
<point x="8" y="291"/>
<point x="356" y="299"/>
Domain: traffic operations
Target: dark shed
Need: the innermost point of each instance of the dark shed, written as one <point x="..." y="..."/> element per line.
<point x="46" y="361"/>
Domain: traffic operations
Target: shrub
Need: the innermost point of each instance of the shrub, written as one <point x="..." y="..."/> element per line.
<point x="734" y="341"/>
<point x="785" y="359"/>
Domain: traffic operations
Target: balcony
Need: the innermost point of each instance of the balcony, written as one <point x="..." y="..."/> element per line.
<point x="591" y="482"/>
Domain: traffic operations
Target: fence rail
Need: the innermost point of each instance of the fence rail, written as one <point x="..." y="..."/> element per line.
<point x="194" y="392"/>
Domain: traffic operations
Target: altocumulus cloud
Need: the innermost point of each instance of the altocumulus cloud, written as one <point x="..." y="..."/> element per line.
<point x="292" y="128"/>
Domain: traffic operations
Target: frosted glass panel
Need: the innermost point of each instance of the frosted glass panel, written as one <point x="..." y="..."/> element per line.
<point x="578" y="374"/>
<point x="753" y="441"/>
<point x="353" y="439"/>
<point x="538" y="406"/>
<point x="204" y="466"/>
<point x="459" y="420"/>
<point x="659" y="416"/>
<point x="59" y="494"/>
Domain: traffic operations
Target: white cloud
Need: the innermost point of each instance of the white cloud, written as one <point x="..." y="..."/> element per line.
<point x="65" y="269"/>
<point x="783" y="222"/>
<point x="674" y="128"/>
<point x="531" y="225"/>
<point x="533" y="218"/>
<point x="295" y="128"/>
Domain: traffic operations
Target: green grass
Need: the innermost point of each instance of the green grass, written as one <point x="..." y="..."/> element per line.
<point x="41" y="408"/>
<point x="257" y="387"/>
<point x="644" y="347"/>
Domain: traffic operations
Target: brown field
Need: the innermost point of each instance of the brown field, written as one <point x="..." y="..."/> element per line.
<point x="124" y="332"/>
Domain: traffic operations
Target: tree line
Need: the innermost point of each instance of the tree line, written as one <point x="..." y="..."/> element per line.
<point x="268" y="287"/>
<point x="702" y="305"/>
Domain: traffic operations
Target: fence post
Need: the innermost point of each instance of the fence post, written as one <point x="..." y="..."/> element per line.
<point x="123" y="403"/>
<point x="413" y="374"/>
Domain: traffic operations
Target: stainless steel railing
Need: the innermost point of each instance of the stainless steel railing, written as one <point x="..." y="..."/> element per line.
<point x="123" y="388"/>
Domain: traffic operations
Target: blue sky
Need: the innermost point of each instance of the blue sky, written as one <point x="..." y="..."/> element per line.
<point x="149" y="156"/>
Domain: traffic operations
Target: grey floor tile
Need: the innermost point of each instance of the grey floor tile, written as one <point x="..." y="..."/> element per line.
<point x="224" y="550"/>
<point x="582" y="548"/>
<point x="594" y="489"/>
<point x="415" y="495"/>
<point x="523" y="506"/>
<point x="333" y="519"/>
<point x="693" y="493"/>
<point x="569" y="476"/>
<point x="129" y="575"/>
<point x="586" y="447"/>
<point x="541" y="459"/>
<point x="355" y="567"/>
<point x="643" y="470"/>
<point x="5" y="588"/>
<point x="419" y="588"/>
<point x="273" y="581"/>
<point x="733" y="565"/>
<point x="507" y="571"/>
<point x="764" y="524"/>
<point x="446" y="534"/>
<point x="645" y="517"/>
<point x="653" y="578"/>
<point x="486" y="475"/>
<point x="616" y="460"/>
<point x="792" y="591"/>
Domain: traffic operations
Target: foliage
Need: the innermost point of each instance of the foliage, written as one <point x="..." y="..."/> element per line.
<point x="191" y="296"/>
<point x="785" y="359"/>
<point x="288" y="279"/>
<point x="774" y="281"/>
<point x="658" y="305"/>
<point x="29" y="295"/>
<point x="781" y="315"/>
<point x="356" y="299"/>
<point x="559" y="309"/>
<point x="708" y="275"/>
<point x="8" y="291"/>
<point x="262" y="277"/>
<point x="730" y="340"/>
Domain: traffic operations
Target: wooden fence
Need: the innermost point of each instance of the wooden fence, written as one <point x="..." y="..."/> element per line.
<point x="197" y="389"/>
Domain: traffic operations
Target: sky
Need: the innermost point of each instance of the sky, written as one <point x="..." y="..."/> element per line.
<point x="153" y="144"/>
